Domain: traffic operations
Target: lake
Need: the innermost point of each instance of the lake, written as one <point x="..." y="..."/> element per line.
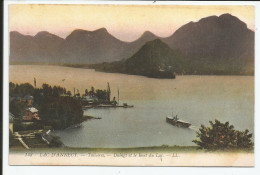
<point x="196" y="99"/>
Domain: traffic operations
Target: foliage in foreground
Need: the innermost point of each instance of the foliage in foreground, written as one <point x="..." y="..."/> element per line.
<point x="55" y="142"/>
<point x="223" y="136"/>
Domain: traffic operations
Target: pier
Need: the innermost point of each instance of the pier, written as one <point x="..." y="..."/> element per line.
<point x="107" y="106"/>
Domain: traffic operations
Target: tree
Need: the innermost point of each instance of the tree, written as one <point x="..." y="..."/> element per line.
<point x="55" y="92"/>
<point x="20" y="90"/>
<point x="47" y="89"/>
<point x="17" y="108"/>
<point x="68" y="93"/>
<point x="11" y="88"/>
<point x="92" y="90"/>
<point x="101" y="95"/>
<point x="222" y="136"/>
<point x="26" y="88"/>
<point x="61" y="112"/>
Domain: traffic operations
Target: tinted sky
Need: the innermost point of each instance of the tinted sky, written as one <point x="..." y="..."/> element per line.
<point x="126" y="22"/>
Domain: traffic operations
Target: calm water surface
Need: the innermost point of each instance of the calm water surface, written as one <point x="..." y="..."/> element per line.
<point x="196" y="99"/>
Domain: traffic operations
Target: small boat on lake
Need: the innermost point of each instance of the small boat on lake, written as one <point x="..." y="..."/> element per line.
<point x="166" y="73"/>
<point x="177" y="122"/>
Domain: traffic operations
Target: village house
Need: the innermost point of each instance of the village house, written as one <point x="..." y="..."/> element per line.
<point x="30" y="114"/>
<point x="65" y="95"/>
<point x="15" y="98"/>
<point x="89" y="99"/>
<point x="27" y="99"/>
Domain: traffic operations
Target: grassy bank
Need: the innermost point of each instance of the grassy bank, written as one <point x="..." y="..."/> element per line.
<point x="153" y="149"/>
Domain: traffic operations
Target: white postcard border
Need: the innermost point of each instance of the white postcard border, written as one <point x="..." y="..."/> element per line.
<point x="68" y="170"/>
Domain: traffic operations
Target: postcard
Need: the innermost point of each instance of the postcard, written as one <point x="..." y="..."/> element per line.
<point x="131" y="84"/>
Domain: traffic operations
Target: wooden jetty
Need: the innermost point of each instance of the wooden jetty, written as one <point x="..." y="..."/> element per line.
<point x="110" y="104"/>
<point x="125" y="105"/>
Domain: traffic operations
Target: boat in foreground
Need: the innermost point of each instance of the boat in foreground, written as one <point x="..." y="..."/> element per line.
<point x="177" y="122"/>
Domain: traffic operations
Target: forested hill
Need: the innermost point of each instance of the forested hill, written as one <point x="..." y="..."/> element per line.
<point x="212" y="46"/>
<point x="155" y="55"/>
<point x="215" y="39"/>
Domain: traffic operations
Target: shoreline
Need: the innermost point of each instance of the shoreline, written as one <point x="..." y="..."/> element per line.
<point x="162" y="149"/>
<point x="86" y="66"/>
<point x="84" y="119"/>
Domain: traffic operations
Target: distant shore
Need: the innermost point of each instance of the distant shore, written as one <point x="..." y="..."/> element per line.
<point x="90" y="66"/>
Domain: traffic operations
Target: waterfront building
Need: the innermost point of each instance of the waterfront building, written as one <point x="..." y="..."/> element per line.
<point x="89" y="98"/>
<point x="30" y="114"/>
<point x="28" y="99"/>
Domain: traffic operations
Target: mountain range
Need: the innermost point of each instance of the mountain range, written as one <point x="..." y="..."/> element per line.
<point x="80" y="47"/>
<point x="213" y="45"/>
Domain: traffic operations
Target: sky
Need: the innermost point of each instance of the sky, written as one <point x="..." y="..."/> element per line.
<point x="125" y="22"/>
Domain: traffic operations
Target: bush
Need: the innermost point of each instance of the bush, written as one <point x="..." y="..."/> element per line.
<point x="222" y="136"/>
<point x="55" y="142"/>
<point x="61" y="112"/>
<point x="26" y="127"/>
